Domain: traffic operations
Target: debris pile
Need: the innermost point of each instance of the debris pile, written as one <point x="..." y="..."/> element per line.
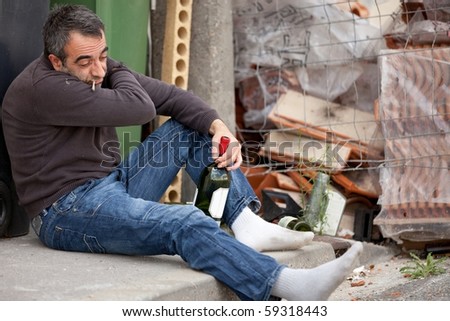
<point x="325" y="88"/>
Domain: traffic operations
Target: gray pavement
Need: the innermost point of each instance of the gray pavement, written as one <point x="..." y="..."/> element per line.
<point x="30" y="271"/>
<point x="384" y="281"/>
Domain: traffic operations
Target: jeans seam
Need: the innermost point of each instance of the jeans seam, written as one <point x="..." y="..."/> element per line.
<point x="267" y="285"/>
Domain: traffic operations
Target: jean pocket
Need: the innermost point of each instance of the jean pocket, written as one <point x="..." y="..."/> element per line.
<point x="69" y="240"/>
<point x="67" y="202"/>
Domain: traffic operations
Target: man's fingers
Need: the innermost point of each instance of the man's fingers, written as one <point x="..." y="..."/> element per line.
<point x="231" y="159"/>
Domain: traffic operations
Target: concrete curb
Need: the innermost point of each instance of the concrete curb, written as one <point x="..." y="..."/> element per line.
<point x="30" y="271"/>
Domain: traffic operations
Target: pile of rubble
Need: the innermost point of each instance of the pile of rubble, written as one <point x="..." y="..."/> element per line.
<point x="358" y="93"/>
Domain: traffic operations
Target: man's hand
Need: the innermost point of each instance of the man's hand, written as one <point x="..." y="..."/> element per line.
<point x="232" y="158"/>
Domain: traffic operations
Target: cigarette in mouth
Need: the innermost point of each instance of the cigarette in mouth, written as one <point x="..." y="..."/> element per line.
<point x="93" y="85"/>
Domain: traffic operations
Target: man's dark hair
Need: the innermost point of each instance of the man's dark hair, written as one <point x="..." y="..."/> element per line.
<point x="64" y="19"/>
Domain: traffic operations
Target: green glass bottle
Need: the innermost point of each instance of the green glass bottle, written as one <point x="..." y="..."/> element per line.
<point x="318" y="200"/>
<point x="294" y="223"/>
<point x="213" y="188"/>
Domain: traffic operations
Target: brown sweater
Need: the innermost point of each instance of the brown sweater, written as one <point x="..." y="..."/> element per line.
<point x="56" y="127"/>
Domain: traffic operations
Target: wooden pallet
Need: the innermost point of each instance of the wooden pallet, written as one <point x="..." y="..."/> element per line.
<point x="323" y="120"/>
<point x="286" y="146"/>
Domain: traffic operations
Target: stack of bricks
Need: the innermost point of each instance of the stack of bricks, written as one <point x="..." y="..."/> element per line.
<point x="414" y="113"/>
<point x="175" y="66"/>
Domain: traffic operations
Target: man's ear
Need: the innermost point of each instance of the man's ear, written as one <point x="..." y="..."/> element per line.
<point x="56" y="62"/>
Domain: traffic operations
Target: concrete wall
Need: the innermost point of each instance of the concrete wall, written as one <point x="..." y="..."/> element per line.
<point x="211" y="70"/>
<point x="211" y="74"/>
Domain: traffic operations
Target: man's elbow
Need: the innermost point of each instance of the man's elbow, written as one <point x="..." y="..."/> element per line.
<point x="148" y="112"/>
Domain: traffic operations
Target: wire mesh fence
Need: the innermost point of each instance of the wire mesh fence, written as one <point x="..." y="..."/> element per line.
<point x="356" y="89"/>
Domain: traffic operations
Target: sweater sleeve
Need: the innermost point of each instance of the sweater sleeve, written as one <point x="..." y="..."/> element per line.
<point x="179" y="104"/>
<point x="63" y="100"/>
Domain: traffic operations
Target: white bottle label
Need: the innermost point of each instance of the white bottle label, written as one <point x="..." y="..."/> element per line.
<point x="218" y="201"/>
<point x="334" y="211"/>
<point x="284" y="221"/>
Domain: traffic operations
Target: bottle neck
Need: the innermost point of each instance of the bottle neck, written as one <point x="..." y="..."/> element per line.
<point x="223" y="145"/>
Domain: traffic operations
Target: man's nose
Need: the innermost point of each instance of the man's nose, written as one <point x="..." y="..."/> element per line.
<point x="98" y="70"/>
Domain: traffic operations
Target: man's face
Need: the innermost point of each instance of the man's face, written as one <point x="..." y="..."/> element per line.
<point x="85" y="58"/>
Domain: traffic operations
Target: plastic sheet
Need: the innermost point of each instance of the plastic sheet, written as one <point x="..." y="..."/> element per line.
<point x="415" y="120"/>
<point x="421" y="24"/>
<point x="305" y="34"/>
<point x="259" y="93"/>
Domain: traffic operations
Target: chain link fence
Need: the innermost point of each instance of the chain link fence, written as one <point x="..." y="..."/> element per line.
<point x="358" y="90"/>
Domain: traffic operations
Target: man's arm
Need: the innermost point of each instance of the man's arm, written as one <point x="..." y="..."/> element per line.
<point x="192" y="111"/>
<point x="179" y="104"/>
<point x="63" y="100"/>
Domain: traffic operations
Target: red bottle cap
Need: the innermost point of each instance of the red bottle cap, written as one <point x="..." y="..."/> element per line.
<point x="224" y="142"/>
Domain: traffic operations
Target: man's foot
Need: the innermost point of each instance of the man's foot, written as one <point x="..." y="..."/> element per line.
<point x="261" y="235"/>
<point x="318" y="283"/>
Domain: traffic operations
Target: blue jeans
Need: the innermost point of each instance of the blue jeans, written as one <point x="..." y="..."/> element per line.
<point x="121" y="213"/>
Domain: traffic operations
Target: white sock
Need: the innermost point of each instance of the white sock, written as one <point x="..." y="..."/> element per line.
<point x="261" y="235"/>
<point x="318" y="283"/>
